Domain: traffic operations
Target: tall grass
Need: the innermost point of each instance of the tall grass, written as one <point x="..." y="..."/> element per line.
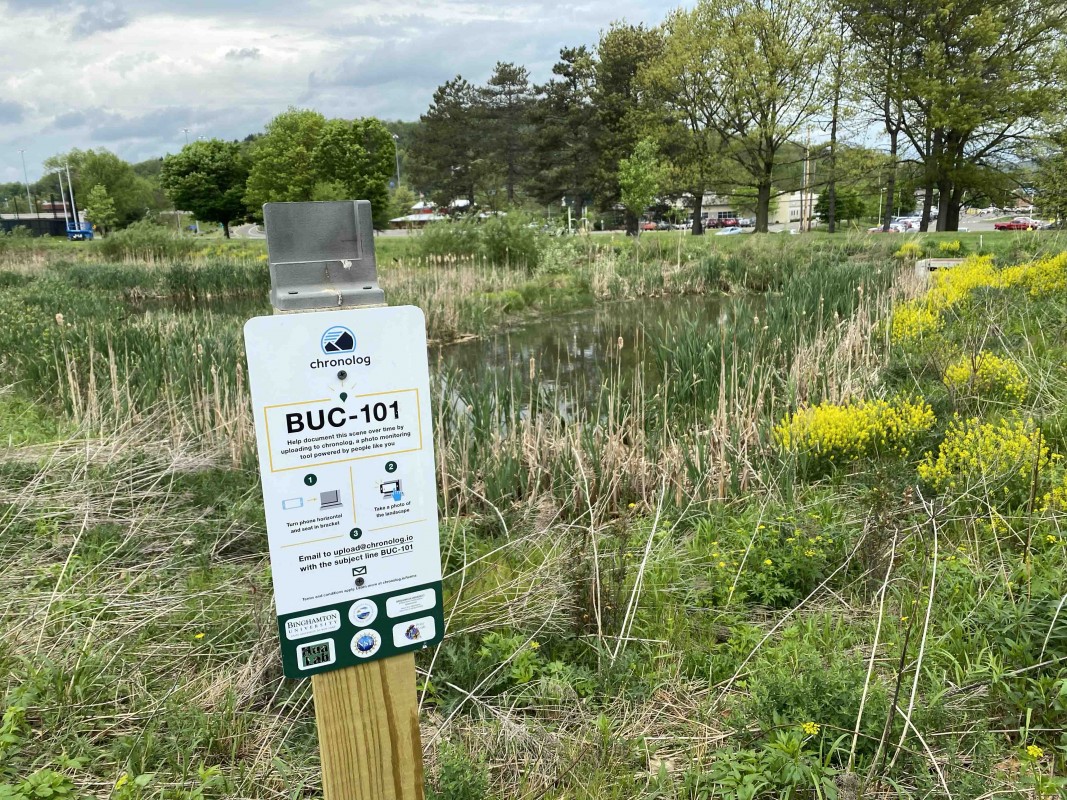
<point x="117" y="343"/>
<point x="643" y="597"/>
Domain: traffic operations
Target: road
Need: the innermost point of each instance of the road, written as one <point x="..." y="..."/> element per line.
<point x="972" y="224"/>
<point x="248" y="232"/>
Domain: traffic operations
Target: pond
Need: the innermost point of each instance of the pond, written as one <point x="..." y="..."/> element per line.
<point x="572" y="355"/>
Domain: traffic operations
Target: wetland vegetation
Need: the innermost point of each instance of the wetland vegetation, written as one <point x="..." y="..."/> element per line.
<point x="749" y="517"/>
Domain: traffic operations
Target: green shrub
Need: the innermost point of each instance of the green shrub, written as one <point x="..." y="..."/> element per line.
<point x="444" y="239"/>
<point x="145" y="239"/>
<point x="459" y="777"/>
<point x="506" y="240"/>
<point x="510" y="241"/>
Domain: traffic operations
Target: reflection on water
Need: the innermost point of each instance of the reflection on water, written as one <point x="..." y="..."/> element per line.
<point x="574" y="354"/>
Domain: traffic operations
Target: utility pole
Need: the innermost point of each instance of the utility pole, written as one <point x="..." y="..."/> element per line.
<point x="396" y="154"/>
<point x="73" y="203"/>
<point x="63" y="196"/>
<point x="186" y="132"/>
<point x="30" y="206"/>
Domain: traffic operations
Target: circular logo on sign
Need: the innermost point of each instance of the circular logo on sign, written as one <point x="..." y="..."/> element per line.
<point x="366" y="643"/>
<point x="362" y="612"/>
<point x="338" y="339"/>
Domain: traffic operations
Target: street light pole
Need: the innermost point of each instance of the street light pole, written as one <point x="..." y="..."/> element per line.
<point x="186" y="132"/>
<point x="881" y="194"/>
<point x="29" y="203"/>
<point x="396" y="154"/>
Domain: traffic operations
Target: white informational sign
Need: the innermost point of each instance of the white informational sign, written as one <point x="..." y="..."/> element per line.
<point x="342" y="412"/>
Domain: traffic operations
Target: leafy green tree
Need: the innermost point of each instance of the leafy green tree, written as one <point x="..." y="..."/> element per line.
<point x="689" y="132"/>
<point x="133" y="195"/>
<point x="973" y="87"/>
<point x="640" y="177"/>
<point x="100" y="208"/>
<point x="505" y="103"/>
<point x="881" y="45"/>
<point x="848" y="205"/>
<point x="283" y="162"/>
<point x="624" y="115"/>
<point x="401" y="202"/>
<point x="208" y="179"/>
<point x="1050" y="177"/>
<point x="754" y="67"/>
<point x="566" y="131"/>
<point x="357" y="156"/>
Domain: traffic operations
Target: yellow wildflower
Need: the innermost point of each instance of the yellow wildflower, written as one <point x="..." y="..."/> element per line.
<point x="987" y="375"/>
<point x="811" y="728"/>
<point x="843" y="433"/>
<point x="1034" y="752"/>
<point x="977" y="454"/>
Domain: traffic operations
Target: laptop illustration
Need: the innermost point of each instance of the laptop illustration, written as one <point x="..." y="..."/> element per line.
<point x="330" y="499"/>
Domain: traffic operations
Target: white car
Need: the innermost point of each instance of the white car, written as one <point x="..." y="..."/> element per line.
<point x="729" y="231"/>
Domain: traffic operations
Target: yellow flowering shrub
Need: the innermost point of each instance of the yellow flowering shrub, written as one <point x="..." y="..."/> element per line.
<point x="952" y="286"/>
<point x="949" y="248"/>
<point x="987" y="375"/>
<point x="913" y="321"/>
<point x="948" y="287"/>
<point x="835" y="434"/>
<point x="1056" y="500"/>
<point x="909" y="250"/>
<point x="995" y="458"/>
<point x="1040" y="277"/>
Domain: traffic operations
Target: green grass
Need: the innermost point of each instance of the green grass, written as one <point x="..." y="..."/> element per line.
<point x="644" y="598"/>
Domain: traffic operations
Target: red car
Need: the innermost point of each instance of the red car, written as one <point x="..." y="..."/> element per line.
<point x="1018" y="224"/>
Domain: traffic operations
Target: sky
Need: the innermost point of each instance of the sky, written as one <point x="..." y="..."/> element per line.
<point x="130" y="75"/>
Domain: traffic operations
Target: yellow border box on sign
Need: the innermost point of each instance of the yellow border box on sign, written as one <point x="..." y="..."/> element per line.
<point x="270" y="452"/>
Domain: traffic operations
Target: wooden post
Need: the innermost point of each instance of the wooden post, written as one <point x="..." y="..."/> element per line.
<point x="368" y="722"/>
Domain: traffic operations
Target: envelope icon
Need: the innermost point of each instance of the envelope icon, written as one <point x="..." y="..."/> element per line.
<point x="359" y="570"/>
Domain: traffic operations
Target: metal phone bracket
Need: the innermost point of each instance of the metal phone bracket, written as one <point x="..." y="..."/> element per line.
<point x="321" y="255"/>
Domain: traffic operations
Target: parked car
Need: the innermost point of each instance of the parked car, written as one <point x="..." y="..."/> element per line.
<point x="894" y="227"/>
<point x="648" y="226"/>
<point x="730" y="231"/>
<point x="908" y="223"/>
<point x="1018" y="224"/>
<point x="746" y="222"/>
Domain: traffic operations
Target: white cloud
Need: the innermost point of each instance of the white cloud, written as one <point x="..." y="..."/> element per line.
<point x="131" y="76"/>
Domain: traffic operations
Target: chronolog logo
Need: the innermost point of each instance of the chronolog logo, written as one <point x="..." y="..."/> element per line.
<point x="339" y="340"/>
